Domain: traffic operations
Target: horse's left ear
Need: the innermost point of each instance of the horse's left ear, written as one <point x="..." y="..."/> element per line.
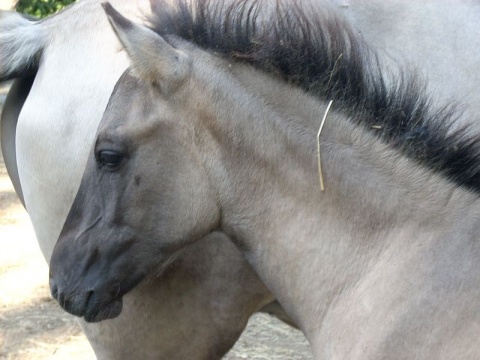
<point x="153" y="59"/>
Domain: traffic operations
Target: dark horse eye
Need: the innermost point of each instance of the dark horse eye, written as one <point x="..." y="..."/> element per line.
<point x="109" y="159"/>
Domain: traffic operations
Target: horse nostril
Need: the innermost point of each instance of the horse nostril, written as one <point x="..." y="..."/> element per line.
<point x="88" y="298"/>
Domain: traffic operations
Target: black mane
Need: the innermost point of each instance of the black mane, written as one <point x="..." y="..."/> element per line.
<point x="320" y="53"/>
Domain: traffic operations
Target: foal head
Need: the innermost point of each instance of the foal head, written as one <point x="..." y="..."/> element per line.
<point x="144" y="193"/>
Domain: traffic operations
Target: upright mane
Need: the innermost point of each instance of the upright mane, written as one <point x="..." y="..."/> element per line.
<point x="319" y="52"/>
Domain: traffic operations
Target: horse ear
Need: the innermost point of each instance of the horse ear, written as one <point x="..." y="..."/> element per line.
<point x="153" y="59"/>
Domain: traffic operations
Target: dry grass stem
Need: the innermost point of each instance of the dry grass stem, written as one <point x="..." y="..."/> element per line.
<point x="320" y="173"/>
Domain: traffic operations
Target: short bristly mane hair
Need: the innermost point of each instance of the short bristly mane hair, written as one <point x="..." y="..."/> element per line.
<point x="319" y="52"/>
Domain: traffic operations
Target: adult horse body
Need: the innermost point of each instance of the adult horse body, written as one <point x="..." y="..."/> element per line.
<point x="434" y="37"/>
<point x="383" y="264"/>
<point x="78" y="61"/>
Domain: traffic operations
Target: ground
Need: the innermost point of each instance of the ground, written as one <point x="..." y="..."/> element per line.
<point x="34" y="327"/>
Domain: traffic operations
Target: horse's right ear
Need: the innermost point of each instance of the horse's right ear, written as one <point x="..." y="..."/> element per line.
<point x="153" y="59"/>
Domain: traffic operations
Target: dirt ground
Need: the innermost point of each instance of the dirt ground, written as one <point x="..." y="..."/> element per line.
<point x="32" y="326"/>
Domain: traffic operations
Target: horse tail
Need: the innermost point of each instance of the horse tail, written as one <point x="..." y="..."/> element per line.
<point x="22" y="41"/>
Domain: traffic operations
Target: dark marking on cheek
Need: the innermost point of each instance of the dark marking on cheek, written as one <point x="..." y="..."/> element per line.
<point x="137" y="179"/>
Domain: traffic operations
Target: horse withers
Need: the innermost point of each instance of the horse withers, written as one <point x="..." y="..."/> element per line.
<point x="214" y="128"/>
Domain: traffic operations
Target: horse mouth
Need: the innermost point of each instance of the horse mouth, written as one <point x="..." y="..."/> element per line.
<point x="108" y="311"/>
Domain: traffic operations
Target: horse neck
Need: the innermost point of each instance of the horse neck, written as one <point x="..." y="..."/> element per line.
<point x="376" y="204"/>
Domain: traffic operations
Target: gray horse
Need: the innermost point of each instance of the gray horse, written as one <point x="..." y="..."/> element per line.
<point x="214" y="128"/>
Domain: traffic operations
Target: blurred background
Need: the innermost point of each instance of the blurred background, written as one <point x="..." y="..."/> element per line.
<point x="40" y="8"/>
